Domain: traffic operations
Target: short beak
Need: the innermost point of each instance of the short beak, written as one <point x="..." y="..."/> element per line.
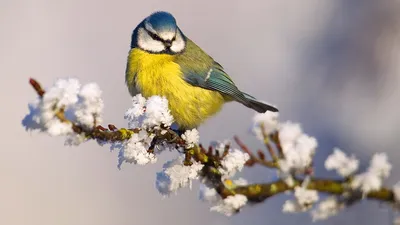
<point x="168" y="44"/>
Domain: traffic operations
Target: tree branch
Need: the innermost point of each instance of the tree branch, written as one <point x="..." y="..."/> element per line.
<point x="260" y="192"/>
<point x="212" y="161"/>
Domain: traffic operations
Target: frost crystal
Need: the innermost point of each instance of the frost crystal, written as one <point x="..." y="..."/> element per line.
<point x="291" y="207"/>
<point x="339" y="161"/>
<point x="157" y="112"/>
<point x="134" y="114"/>
<point x="57" y="128"/>
<point x="288" y="133"/>
<point x="135" y="149"/>
<point x="298" y="153"/>
<point x="149" y="114"/>
<point x="191" y="137"/>
<point x="380" y="165"/>
<point x="233" y="162"/>
<point x="75" y="139"/>
<point x="175" y="175"/>
<point x="372" y="179"/>
<point x="230" y="205"/>
<point x="298" y="148"/>
<point x="304" y="200"/>
<point x="327" y="208"/>
<point x="267" y="121"/>
<point x="90" y="106"/>
<point x="42" y="116"/>
<point x="63" y="93"/>
<point x="367" y="182"/>
<point x="305" y="197"/>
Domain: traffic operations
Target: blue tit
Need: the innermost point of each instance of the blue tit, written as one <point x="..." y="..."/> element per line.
<point x="163" y="61"/>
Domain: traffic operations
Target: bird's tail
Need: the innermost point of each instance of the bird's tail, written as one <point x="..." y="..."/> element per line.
<point x="257" y="105"/>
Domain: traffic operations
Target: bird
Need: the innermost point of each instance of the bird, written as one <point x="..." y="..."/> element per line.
<point x="163" y="61"/>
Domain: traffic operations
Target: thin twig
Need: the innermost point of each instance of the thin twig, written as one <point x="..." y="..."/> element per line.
<point x="244" y="148"/>
<point x="267" y="144"/>
<point x="277" y="142"/>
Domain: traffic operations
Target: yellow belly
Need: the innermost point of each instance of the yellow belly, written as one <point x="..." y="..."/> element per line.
<point x="157" y="74"/>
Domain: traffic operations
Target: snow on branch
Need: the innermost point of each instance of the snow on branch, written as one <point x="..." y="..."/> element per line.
<point x="75" y="111"/>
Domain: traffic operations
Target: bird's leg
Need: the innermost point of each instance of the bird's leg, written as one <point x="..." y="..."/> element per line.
<point x="172" y="140"/>
<point x="179" y="131"/>
<point x="152" y="145"/>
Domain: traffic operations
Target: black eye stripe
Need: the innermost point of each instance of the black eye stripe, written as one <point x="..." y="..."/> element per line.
<point x="156" y="37"/>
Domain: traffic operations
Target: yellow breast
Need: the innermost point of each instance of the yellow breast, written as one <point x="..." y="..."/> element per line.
<point x="157" y="74"/>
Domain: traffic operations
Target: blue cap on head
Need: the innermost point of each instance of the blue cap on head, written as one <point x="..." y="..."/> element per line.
<point x="162" y="21"/>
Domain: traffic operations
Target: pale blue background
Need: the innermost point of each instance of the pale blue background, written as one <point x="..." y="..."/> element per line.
<point x="331" y="65"/>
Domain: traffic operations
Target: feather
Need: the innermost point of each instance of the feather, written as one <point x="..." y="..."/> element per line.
<point x="200" y="70"/>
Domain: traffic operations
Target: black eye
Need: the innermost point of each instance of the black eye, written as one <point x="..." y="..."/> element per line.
<point x="156" y="37"/>
<point x="153" y="35"/>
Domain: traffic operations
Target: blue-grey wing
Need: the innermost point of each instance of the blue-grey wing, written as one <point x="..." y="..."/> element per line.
<point x="200" y="70"/>
<point x="217" y="80"/>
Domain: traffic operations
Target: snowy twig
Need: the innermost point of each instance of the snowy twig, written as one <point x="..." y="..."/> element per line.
<point x="100" y="133"/>
<point x="197" y="152"/>
<point x="290" y="151"/>
<point x="260" y="192"/>
<point x="254" y="159"/>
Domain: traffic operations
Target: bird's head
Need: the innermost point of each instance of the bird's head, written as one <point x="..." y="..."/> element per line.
<point x="159" y="33"/>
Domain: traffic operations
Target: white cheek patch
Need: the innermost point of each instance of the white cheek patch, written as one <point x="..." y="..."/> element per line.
<point x="147" y="43"/>
<point x="179" y="44"/>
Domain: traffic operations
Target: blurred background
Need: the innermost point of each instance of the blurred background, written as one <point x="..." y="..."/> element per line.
<point x="333" y="66"/>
